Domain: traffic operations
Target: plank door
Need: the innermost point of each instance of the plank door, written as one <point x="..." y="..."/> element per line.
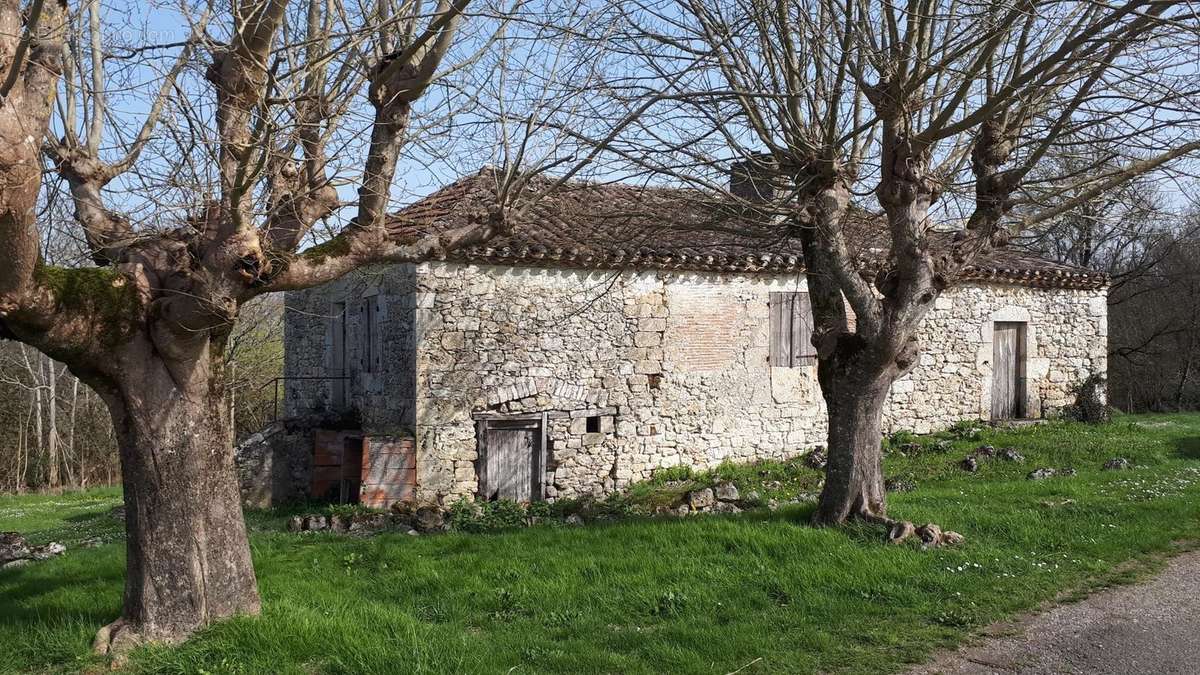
<point x="1008" y="370"/>
<point x="511" y="461"/>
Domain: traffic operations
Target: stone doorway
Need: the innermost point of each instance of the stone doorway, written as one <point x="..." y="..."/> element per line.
<point x="512" y="457"/>
<point x="1008" y="374"/>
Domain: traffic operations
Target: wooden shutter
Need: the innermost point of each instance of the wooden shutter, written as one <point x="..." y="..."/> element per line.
<point x="337" y="354"/>
<point x="791" y="326"/>
<point x="374" y="305"/>
<point x="780" y="306"/>
<point x="369" y="328"/>
<point x="359" y="336"/>
<point x="803" y="351"/>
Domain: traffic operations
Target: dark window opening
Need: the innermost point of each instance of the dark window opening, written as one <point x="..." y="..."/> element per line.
<point x="655" y="380"/>
<point x="593" y="424"/>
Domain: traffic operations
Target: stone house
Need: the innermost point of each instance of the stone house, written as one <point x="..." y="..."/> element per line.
<point x="620" y="330"/>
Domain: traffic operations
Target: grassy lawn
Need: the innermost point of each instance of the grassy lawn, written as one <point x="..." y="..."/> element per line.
<point x="758" y="590"/>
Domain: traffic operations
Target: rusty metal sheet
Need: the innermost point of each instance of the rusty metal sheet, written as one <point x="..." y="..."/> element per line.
<point x="389" y="471"/>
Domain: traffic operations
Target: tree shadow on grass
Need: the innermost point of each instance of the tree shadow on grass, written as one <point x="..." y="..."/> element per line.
<point x="42" y="592"/>
<point x="1187" y="448"/>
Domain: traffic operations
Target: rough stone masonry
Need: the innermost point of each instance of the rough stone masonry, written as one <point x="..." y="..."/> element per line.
<point x="643" y="369"/>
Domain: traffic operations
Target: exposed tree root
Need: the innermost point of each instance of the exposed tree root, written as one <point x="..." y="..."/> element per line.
<point x="898" y="531"/>
<point x="930" y="534"/>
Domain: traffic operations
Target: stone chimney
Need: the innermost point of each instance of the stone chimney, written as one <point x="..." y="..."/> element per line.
<point x="750" y="179"/>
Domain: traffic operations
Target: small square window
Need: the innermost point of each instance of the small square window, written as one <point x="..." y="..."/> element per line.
<point x="593" y="424"/>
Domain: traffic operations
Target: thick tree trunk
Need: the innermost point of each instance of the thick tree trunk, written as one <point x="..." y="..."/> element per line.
<point x="854" y="473"/>
<point x="188" y="557"/>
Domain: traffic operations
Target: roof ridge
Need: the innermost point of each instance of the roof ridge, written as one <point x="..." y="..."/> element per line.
<point x="609" y="225"/>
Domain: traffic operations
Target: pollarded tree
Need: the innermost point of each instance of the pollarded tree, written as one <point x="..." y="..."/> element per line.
<point x="260" y="117"/>
<point x="937" y="110"/>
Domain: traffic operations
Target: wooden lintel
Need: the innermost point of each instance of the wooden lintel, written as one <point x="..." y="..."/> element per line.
<point x="594" y="412"/>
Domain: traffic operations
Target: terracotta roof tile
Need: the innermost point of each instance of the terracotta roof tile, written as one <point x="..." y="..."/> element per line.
<point x="622" y="226"/>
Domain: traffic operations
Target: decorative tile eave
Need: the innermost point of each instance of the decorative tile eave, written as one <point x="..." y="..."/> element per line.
<point x="622" y="260"/>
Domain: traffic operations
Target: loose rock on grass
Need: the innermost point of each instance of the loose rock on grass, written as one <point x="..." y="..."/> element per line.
<point x="1010" y="455"/>
<point x="726" y="492"/>
<point x="428" y="519"/>
<point x="931" y="535"/>
<point x="1116" y="464"/>
<point x="1046" y="472"/>
<point x="969" y="464"/>
<point x="901" y="531"/>
<point x="899" y="484"/>
<point x="700" y="499"/>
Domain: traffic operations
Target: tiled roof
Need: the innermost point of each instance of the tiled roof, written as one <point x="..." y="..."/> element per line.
<point x="622" y="226"/>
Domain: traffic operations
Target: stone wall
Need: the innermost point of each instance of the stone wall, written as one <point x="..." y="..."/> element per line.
<point x="381" y="393"/>
<point x="673" y="366"/>
<point x="1066" y="340"/>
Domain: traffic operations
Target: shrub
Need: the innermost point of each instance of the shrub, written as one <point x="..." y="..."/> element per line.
<point x="501" y="514"/>
<point x="898" y="439"/>
<point x="350" y="510"/>
<point x="1090" y="406"/>
<point x="674" y="473"/>
<point x="965" y="430"/>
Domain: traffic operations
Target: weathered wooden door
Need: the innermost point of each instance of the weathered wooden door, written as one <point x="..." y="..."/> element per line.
<point x="1008" y="370"/>
<point x="510" y="465"/>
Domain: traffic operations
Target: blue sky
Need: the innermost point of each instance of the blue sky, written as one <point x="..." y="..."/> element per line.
<point x="467" y="140"/>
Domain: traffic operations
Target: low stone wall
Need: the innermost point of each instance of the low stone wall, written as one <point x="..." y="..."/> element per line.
<point x="275" y="465"/>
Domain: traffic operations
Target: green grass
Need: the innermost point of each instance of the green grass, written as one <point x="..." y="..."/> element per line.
<point x="711" y="594"/>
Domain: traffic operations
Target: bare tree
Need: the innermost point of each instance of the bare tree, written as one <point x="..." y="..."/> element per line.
<point x="940" y="111"/>
<point x="186" y="221"/>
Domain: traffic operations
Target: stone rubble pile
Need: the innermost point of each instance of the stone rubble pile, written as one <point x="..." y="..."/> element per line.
<point x="15" y="551"/>
<point x="1048" y="472"/>
<point x="403" y="517"/>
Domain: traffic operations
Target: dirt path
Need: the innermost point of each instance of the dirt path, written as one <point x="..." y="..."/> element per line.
<point x="1149" y="627"/>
